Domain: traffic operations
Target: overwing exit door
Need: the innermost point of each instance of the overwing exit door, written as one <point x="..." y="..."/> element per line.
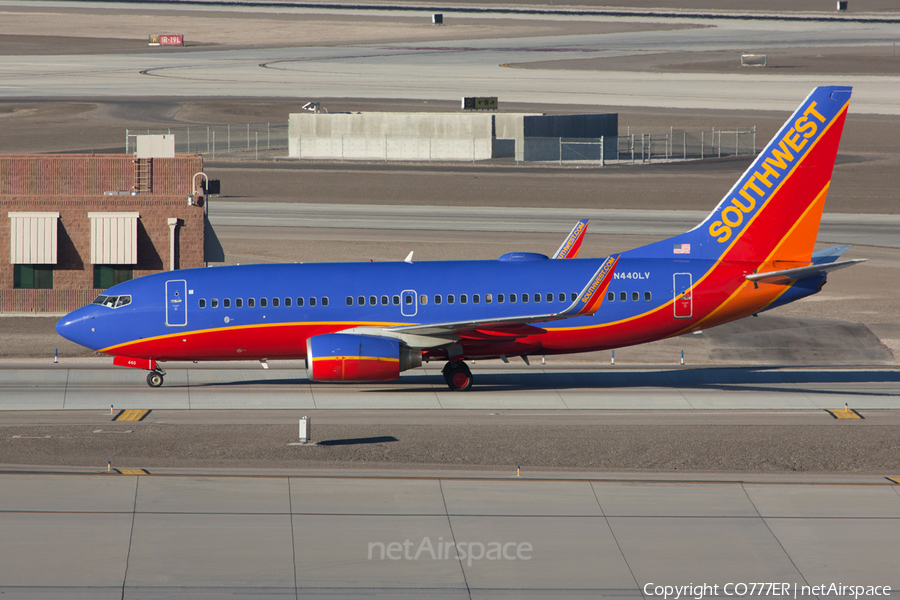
<point x="408" y="303"/>
<point x="176" y="303"/>
<point x="684" y="304"/>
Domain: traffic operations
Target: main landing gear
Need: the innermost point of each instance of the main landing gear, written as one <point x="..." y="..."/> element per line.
<point x="457" y="375"/>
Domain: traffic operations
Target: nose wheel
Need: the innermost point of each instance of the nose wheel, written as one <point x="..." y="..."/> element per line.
<point x="155" y="379"/>
<point x="457" y="375"/>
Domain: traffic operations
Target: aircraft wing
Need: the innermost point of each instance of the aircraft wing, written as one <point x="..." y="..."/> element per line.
<point x="586" y="303"/>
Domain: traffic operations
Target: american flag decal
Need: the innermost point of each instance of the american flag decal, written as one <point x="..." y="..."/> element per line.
<point x="682" y="249"/>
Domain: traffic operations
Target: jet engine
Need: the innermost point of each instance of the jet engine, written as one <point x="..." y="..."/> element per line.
<point x="353" y="357"/>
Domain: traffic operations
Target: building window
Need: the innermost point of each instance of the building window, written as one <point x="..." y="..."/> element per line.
<point x="106" y="276"/>
<point x="37" y="277"/>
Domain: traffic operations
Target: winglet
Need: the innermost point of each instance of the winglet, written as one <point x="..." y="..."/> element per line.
<point x="408" y="258"/>
<point x="591" y="297"/>
<point x="572" y="244"/>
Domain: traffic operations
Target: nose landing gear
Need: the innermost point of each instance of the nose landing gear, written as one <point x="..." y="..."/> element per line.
<point x="155" y="378"/>
<point x="457" y="375"/>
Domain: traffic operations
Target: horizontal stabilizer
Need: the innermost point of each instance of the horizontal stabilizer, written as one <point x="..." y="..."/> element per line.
<point x="788" y="276"/>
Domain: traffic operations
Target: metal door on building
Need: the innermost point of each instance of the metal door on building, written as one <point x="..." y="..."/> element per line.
<point x="408" y="303"/>
<point x="176" y="303"/>
<point x="684" y="304"/>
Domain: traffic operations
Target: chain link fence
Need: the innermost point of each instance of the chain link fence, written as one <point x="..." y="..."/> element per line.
<point x="248" y="141"/>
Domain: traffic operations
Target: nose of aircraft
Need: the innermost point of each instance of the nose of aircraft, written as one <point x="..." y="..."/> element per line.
<point x="78" y="327"/>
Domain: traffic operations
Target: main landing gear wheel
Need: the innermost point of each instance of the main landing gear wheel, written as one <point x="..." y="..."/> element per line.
<point x="458" y="376"/>
<point x="154" y="379"/>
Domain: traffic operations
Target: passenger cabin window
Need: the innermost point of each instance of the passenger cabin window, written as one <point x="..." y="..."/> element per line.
<point x="251" y="302"/>
<point x="239" y="302"/>
<point x="361" y="300"/>
<point x="488" y="298"/>
<point x="463" y="298"/>
<point x="437" y="298"/>
<point x="226" y="303"/>
<point x="299" y="301"/>
<point x="451" y="298"/>
<point x="214" y="303"/>
<point x="537" y="297"/>
<point x="287" y="302"/>
<point x="647" y="296"/>
<point x="524" y="297"/>
<point x="384" y="300"/>
<point x="635" y="296"/>
<point x="562" y="296"/>
<point x="324" y="300"/>
<point x="611" y="297"/>
<point x="574" y="296"/>
<point x="512" y="298"/>
<point x="275" y="302"/>
<point x="202" y="302"/>
<point x="623" y="296"/>
<point x="549" y="296"/>
<point x="373" y="300"/>
<point x="312" y="301"/>
<point x="263" y="302"/>
<point x="476" y="298"/>
<point x="349" y="301"/>
<point x="423" y="299"/>
<point x="395" y="300"/>
<point x="500" y="298"/>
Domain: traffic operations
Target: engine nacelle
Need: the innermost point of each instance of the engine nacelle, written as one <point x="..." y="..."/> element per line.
<point x="353" y="357"/>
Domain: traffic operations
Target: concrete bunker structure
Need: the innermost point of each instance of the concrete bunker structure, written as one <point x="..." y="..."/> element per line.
<point x="451" y="136"/>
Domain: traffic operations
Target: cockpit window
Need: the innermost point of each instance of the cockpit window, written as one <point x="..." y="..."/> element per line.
<point x="112" y="301"/>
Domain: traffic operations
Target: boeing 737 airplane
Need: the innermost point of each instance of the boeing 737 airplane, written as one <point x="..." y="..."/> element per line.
<point x="371" y="321"/>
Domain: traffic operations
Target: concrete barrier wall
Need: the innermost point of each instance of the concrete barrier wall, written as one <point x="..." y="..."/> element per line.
<point x="445" y="136"/>
<point x="391" y="136"/>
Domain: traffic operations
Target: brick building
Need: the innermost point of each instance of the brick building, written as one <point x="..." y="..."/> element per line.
<point x="77" y="224"/>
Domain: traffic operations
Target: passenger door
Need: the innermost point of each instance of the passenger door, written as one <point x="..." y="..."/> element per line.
<point x="408" y="303"/>
<point x="684" y="304"/>
<point x="176" y="303"/>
